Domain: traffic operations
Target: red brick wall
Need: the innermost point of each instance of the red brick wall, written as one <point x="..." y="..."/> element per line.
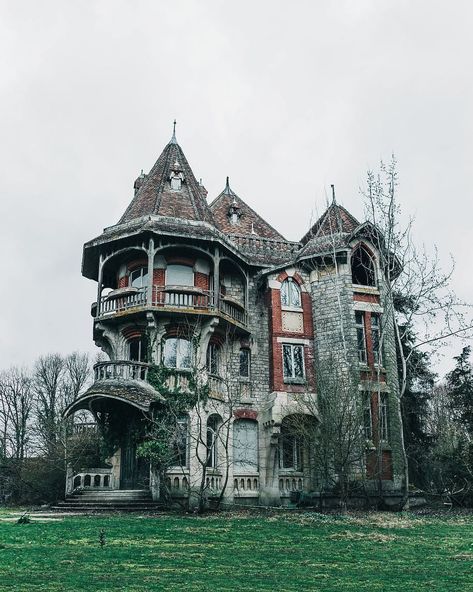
<point x="275" y="330"/>
<point x="374" y="471"/>
<point x="373" y="298"/>
<point x="159" y="277"/>
<point x="201" y="280"/>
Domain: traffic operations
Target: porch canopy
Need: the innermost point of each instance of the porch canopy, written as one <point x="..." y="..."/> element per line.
<point x="136" y="393"/>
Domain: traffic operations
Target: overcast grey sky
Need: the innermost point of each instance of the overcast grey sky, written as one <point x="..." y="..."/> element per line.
<point x="284" y="97"/>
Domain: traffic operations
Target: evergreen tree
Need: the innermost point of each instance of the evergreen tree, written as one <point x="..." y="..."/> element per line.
<point x="460" y="383"/>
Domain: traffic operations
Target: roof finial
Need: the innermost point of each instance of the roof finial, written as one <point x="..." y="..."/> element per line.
<point x="227" y="186"/>
<point x="173" y="139"/>
<point x="334" y="201"/>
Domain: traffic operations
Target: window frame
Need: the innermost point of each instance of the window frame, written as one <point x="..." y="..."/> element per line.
<point x="296" y="452"/>
<point x="180" y="356"/>
<point x="376" y="341"/>
<point x="181" y="442"/>
<point x="143" y="276"/>
<point x="288" y="287"/>
<point x="383" y="414"/>
<point x="242" y="465"/>
<point x="247" y="376"/>
<point x="293" y="378"/>
<point x="212" y="446"/>
<point x="369" y="271"/>
<point x="213" y="359"/>
<point x="360" y="326"/>
<point x="367" y="417"/>
<point x="173" y="268"/>
<point x="142" y="342"/>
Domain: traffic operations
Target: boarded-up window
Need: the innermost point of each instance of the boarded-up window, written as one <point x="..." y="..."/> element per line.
<point x="245" y="446"/>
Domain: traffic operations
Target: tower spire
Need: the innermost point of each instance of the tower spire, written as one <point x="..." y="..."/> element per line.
<point x="173" y="139"/>
<point x="334" y="201"/>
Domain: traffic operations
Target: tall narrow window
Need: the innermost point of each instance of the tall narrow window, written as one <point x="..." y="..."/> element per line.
<point x="180" y="442"/>
<point x="138" y="349"/>
<point x="375" y="337"/>
<point x="383" y="417"/>
<point x="245" y="446"/>
<point x="367" y="416"/>
<point x="177" y="353"/>
<point x="293" y="361"/>
<point x="212" y="440"/>
<point x="290" y="450"/>
<point x="361" y="335"/>
<point x="139" y="277"/>
<point x="290" y="294"/>
<point x="213" y="359"/>
<point x="244" y="362"/>
<point x="362" y="267"/>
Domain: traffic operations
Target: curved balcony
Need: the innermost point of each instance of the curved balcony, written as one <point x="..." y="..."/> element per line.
<point x="127" y="370"/>
<point x="169" y="298"/>
<point x="121" y="370"/>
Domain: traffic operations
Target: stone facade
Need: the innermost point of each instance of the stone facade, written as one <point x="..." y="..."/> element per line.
<point x="217" y="295"/>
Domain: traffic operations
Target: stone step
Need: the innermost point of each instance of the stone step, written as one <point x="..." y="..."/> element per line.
<point x="107" y="508"/>
<point x="110" y="496"/>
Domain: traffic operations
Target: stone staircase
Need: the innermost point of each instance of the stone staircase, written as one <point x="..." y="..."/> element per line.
<point x="117" y="500"/>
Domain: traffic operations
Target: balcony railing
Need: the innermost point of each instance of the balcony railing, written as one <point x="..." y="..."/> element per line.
<point x="121" y="370"/>
<point x="121" y="300"/>
<point x="169" y="297"/>
<point x="217" y="387"/>
<point x="182" y="297"/>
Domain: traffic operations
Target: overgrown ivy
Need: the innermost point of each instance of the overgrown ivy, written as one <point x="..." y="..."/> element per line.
<point x="159" y="444"/>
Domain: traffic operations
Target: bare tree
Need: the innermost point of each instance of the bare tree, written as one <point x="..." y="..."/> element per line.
<point x="16" y="401"/>
<point x="417" y="296"/>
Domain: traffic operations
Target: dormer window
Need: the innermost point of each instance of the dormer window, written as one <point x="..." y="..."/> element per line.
<point x="234" y="213"/>
<point x="176" y="183"/>
<point x="176" y="177"/>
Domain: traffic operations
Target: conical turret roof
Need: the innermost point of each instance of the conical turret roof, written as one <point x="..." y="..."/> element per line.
<point x="157" y="196"/>
<point x="335" y="220"/>
<point x="248" y="221"/>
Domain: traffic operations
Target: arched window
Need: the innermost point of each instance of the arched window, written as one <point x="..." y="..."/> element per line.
<point x="213" y="424"/>
<point x="362" y="267"/>
<point x="213" y="359"/>
<point x="138" y="349"/>
<point x="290" y="294"/>
<point x="139" y="277"/>
<point x="245" y="446"/>
<point x="177" y="353"/>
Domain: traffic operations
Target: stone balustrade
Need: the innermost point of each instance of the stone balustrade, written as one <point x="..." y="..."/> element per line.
<point x="246" y="485"/>
<point x="98" y="478"/>
<point x="290" y="482"/>
<point x="121" y="370"/>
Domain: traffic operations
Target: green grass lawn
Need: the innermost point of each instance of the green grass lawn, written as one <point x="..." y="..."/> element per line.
<point x="239" y="552"/>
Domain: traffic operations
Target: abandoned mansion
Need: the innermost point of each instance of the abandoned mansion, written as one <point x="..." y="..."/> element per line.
<point x="238" y="365"/>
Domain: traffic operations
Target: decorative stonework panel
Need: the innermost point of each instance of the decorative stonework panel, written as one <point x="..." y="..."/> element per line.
<point x="292" y="322"/>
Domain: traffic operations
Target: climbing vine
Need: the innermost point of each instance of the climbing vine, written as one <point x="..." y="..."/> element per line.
<point x="159" y="445"/>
